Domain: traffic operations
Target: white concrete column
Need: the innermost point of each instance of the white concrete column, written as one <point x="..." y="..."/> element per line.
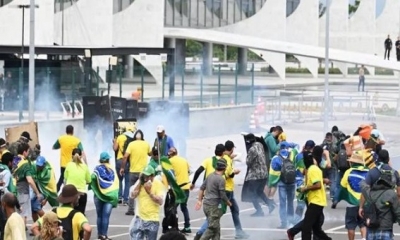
<point x="242" y="60"/>
<point x="180" y="54"/>
<point x="207" y="58"/>
<point x="129" y="67"/>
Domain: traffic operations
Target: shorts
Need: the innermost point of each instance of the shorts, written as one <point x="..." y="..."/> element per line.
<point x="352" y="219"/>
<point x="36" y="205"/>
<point x="25" y="203"/>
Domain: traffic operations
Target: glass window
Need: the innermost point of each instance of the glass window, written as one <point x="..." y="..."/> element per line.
<point x="120" y="5"/>
<point x="291" y="6"/>
<point x="4" y="2"/>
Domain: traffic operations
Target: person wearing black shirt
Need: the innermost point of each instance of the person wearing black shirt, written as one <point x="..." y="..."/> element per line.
<point x="397" y="44"/>
<point x="388" y="47"/>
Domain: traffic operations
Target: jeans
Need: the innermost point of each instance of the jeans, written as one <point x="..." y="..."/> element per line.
<point x="339" y="178"/>
<point x="235" y="215"/>
<point x="361" y="83"/>
<point x="142" y="229"/>
<point x="133" y="177"/>
<point x="286" y="202"/>
<point x="125" y="179"/>
<point x="311" y="223"/>
<point x="257" y="189"/>
<point x="379" y="234"/>
<point x="333" y="175"/>
<point x="103" y="210"/>
<point x="185" y="210"/>
<point x="61" y="179"/>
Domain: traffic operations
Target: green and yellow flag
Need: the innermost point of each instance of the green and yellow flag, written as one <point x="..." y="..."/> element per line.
<point x="11" y="185"/>
<point x="46" y="182"/>
<point x="105" y="184"/>
<point x="180" y="196"/>
<point x="350" y="185"/>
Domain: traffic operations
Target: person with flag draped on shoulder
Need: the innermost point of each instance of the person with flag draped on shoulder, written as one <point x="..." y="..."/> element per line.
<point x="105" y="186"/>
<point x="45" y="179"/>
<point x="163" y="142"/>
<point x="350" y="191"/>
<point x="175" y="195"/>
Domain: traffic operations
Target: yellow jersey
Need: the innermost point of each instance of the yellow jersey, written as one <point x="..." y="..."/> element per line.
<point x="121" y="139"/>
<point x="138" y="151"/>
<point x="181" y="168"/>
<point x="148" y="210"/>
<point x="317" y="197"/>
<point x="66" y="144"/>
<point x="230" y="182"/>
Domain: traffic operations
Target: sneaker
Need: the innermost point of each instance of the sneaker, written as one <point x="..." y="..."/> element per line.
<point x="197" y="236"/>
<point x="289" y="235"/>
<point x="242" y="235"/>
<point x="257" y="214"/>
<point x="130" y="213"/>
<point x="186" y="230"/>
<point x="334" y="205"/>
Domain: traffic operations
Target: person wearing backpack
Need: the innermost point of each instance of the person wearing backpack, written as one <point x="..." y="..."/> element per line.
<point x="51" y="229"/>
<point x="343" y="166"/>
<point x="350" y="191"/>
<point x="73" y="222"/>
<point x="380" y="207"/>
<point x="283" y="166"/>
<point x="119" y="148"/>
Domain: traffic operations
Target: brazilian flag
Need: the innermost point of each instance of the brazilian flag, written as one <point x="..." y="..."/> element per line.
<point x="46" y="182"/>
<point x="105" y="184"/>
<point x="168" y="171"/>
<point x="350" y="185"/>
<point x="11" y="185"/>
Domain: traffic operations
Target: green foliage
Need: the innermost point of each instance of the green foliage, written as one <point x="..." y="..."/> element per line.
<point x="193" y="48"/>
<point x="353" y="8"/>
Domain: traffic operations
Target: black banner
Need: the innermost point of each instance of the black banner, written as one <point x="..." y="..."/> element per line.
<point x="118" y="108"/>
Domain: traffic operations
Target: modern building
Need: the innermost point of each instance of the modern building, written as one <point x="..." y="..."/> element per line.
<point x="156" y="23"/>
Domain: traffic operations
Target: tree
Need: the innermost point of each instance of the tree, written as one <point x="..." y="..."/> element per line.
<point x="353" y="8"/>
<point x="193" y="48"/>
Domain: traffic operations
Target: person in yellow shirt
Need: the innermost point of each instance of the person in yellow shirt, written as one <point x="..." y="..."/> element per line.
<point x="78" y="222"/>
<point x="138" y="152"/>
<point x="182" y="170"/>
<point x="119" y="145"/>
<point x="316" y="199"/>
<point x="15" y="226"/>
<point x="3" y="147"/>
<point x="150" y="196"/>
<point x="66" y="143"/>
<point x="77" y="173"/>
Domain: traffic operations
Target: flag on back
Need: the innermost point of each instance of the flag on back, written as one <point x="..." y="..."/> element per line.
<point x="350" y="185"/>
<point x="168" y="171"/>
<point x="105" y="184"/>
<point x="46" y="182"/>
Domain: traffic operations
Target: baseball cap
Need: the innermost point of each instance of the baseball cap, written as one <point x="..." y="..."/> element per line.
<point x="148" y="171"/>
<point x="375" y="133"/>
<point x="284" y="145"/>
<point x="309" y="144"/>
<point x="40" y="161"/>
<point x="160" y="128"/>
<point x="104" y="156"/>
<point x="229" y="145"/>
<point x="221" y="163"/>
<point x="26" y="135"/>
<point x="50" y="217"/>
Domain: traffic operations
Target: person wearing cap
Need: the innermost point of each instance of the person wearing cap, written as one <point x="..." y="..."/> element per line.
<point x="77" y="173"/>
<point x="15" y="226"/>
<point x="119" y="144"/>
<point x="22" y="172"/>
<point x="150" y="196"/>
<point x="51" y="229"/>
<point x="212" y="191"/>
<point x="25" y="138"/>
<point x="286" y="189"/>
<point x="104" y="184"/>
<point x="350" y="192"/>
<point x="44" y="176"/>
<point x="378" y="134"/>
<point x="163" y="142"/>
<point x="138" y="152"/>
<point x="68" y="199"/>
<point x="182" y="171"/>
<point x="67" y="143"/>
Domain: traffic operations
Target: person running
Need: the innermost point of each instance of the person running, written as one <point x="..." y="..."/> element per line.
<point x="67" y="143"/>
<point x="104" y="184"/>
<point x="15" y="226"/>
<point x="163" y="142"/>
<point x="350" y="191"/>
<point x="45" y="179"/>
<point x="119" y="147"/>
<point x="182" y="169"/>
<point x="138" y="152"/>
<point x="215" y="200"/>
<point x="72" y="221"/>
<point x="150" y="196"/>
<point x="51" y="229"/>
<point x="77" y="173"/>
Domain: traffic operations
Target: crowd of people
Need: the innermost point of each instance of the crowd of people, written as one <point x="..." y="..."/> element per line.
<point x="146" y="179"/>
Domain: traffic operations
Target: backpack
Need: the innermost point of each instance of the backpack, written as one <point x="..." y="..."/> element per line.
<point x="288" y="171"/>
<point x="342" y="162"/>
<point x="371" y="213"/>
<point x="126" y="144"/>
<point x="66" y="223"/>
<point x="387" y="177"/>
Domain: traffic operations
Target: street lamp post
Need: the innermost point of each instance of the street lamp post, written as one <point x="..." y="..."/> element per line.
<point x="326" y="87"/>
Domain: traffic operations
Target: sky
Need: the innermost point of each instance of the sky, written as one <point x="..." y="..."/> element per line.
<point x="380" y="4"/>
